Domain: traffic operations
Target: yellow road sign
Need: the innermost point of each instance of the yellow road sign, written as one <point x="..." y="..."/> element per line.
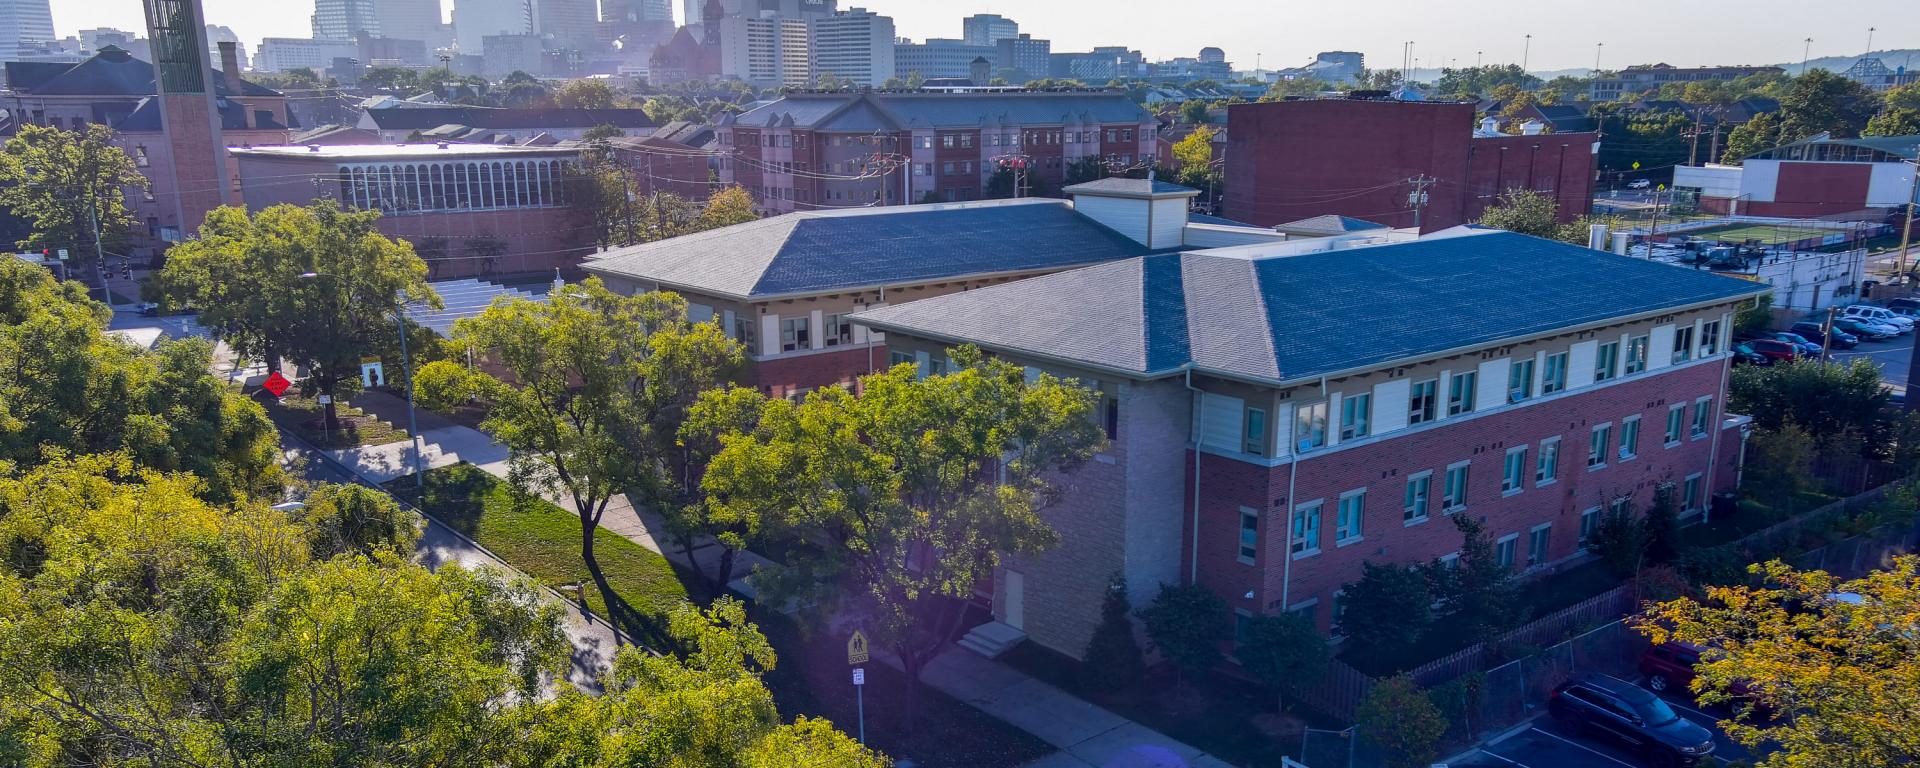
<point x="857" y="648"/>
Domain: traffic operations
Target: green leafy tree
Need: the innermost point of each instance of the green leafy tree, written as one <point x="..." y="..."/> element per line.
<point x="1652" y="138"/>
<point x="1285" y="653"/>
<point x="1477" y="82"/>
<point x="69" y="185"/>
<point x="600" y="383"/>
<point x="1843" y="669"/>
<point x="690" y="519"/>
<point x="1399" y="717"/>
<point x="1754" y="319"/>
<point x="1187" y="624"/>
<point x="315" y="284"/>
<point x="586" y="94"/>
<point x="1113" y="659"/>
<point x="1195" y="156"/>
<point x="1084" y="170"/>
<point x="1894" y="121"/>
<point x="1479" y="590"/>
<point x="727" y="207"/>
<point x="66" y="386"/>
<point x="1824" y="102"/>
<point x="1387" y="610"/>
<point x="1305" y="86"/>
<point x="1903" y="97"/>
<point x="1194" y="112"/>
<point x="356" y="520"/>
<point x="1781" y="462"/>
<point x="1828" y="401"/>
<point x="443" y="385"/>
<point x="1752" y="137"/>
<point x="1663" y="526"/>
<point x="1621" y="539"/>
<point x="895" y="503"/>
<point x="1532" y="213"/>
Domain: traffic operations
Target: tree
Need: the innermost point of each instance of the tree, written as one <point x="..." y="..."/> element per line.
<point x="1387" y="610"/>
<point x="726" y="208"/>
<point x="1284" y="652"/>
<point x="1195" y="156"/>
<point x="1663" y="526"/>
<point x="443" y="385"/>
<point x="1478" y="589"/>
<point x="1398" y="717"/>
<point x="601" y="133"/>
<point x="1113" y="659"/>
<point x="1305" y="86"/>
<point x="828" y="81"/>
<point x="1378" y="79"/>
<point x="894" y="503"/>
<point x="1194" y="112"/>
<point x="600" y="383"/>
<point x="68" y="387"/>
<point x="356" y="520"/>
<point x="1186" y="624"/>
<point x="1532" y="213"/>
<point x="316" y="284"/>
<point x="1621" y="540"/>
<point x="1755" y="318"/>
<point x="1820" y="101"/>
<point x="1843" y="670"/>
<point x="69" y="185"/>
<point x="1894" y="121"/>
<point x="1084" y="170"/>
<point x="1826" y="400"/>
<point x="1476" y="82"/>
<point x="586" y="94"/>
<point x="1903" y="97"/>
<point x="1756" y="135"/>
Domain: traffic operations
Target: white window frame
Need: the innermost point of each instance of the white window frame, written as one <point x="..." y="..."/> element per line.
<point x="1513" y="471"/>
<point x="1416" y="414"/>
<point x="1523" y="371"/>
<point x="1415" y="506"/>
<point x="1248" y="513"/>
<point x="1702" y="418"/>
<point x="1676" y="424"/>
<point x="1628" y="446"/>
<point x="1460" y="398"/>
<point x="1690" y="492"/>
<point x="1709" y="338"/>
<point x="1536" y="553"/>
<point x="1354" y="529"/>
<point x="1682" y="344"/>
<point x="1603" y="433"/>
<point x="1546" y="467"/>
<point x="1253" y="431"/>
<point x="1589" y="523"/>
<point x="1304" y="540"/>
<point x="1639" y="348"/>
<point x="1448" y="504"/>
<point x="1505" y="549"/>
<point x="1356" y="416"/>
<point x="1553" y="376"/>
<point x="1303" y="418"/>
<point x="1606" y="361"/>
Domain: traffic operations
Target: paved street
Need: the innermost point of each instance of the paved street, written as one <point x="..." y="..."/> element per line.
<point x="1892" y="355"/>
<point x="1549" y="744"/>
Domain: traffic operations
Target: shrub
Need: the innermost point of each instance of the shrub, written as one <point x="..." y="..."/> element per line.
<point x="1711" y="566"/>
<point x="1661" y="583"/>
<point x="1399" y="718"/>
<point x="1186" y="625"/>
<point x="1621" y="540"/>
<point x="1663" y="527"/>
<point x="1387" y="610"/>
<point x="442" y="385"/>
<point x="1113" y="656"/>
<point x="1285" y="652"/>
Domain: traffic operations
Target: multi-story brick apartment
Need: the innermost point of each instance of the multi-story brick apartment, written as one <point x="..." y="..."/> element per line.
<point x="785" y="286"/>
<point x="1280" y="413"/>
<point x="812" y="151"/>
<point x="1288" y="160"/>
<point x="469" y="209"/>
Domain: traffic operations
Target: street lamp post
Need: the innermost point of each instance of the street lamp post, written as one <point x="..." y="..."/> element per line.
<point x="406" y="371"/>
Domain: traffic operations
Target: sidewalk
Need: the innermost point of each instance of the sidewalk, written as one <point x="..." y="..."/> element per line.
<point x="1087" y="736"/>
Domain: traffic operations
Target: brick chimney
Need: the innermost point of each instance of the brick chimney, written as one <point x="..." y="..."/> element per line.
<point x="230" y="69"/>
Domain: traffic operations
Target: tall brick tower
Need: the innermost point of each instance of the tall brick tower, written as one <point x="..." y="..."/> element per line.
<point x="188" y="113"/>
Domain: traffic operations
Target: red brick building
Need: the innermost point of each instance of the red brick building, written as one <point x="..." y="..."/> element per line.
<point x="1289" y="160"/>
<point x="1279" y="414"/>
<point x="814" y="151"/>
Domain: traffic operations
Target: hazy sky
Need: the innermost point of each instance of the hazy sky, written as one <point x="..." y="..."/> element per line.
<point x="1289" y="32"/>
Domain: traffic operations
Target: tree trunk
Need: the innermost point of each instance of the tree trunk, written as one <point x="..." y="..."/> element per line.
<point x="726" y="570"/>
<point x="607" y="596"/>
<point x="332" y="417"/>
<point x="912" y="664"/>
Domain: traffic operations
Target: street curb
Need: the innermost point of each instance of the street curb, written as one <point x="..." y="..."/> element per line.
<point x="354" y="472"/>
<point x="1479" y="746"/>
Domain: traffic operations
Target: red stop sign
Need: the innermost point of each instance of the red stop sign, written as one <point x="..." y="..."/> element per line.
<point x="276" y="384"/>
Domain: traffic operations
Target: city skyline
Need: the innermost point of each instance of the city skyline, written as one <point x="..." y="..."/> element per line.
<point x="1275" y="36"/>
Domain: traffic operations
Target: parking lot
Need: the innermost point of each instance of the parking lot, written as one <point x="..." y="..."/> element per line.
<point x="1892" y="355"/>
<point x="1548" y="744"/>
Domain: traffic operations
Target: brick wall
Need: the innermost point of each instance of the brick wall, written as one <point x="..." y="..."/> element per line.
<point x="781" y="376"/>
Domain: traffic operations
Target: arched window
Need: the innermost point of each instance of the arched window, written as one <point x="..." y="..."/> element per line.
<point x="409" y="188"/>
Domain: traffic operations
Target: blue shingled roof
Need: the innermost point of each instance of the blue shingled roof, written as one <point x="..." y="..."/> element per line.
<point x="1293" y="317"/>
<point x="823" y="252"/>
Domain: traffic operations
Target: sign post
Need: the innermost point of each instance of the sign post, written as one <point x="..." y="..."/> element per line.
<point x="857" y="655"/>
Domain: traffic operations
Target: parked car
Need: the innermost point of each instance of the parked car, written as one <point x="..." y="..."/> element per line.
<point x="1744" y="355"/>
<point x="1908" y="303"/>
<point x="1639" y="184"/>
<point x="1774" y="350"/>
<point x="1879" y="315"/>
<point x="1806" y="346"/>
<point x="1808" y="329"/>
<point x="1669" y="667"/>
<point x="1865" y="329"/>
<point x="1619" y="710"/>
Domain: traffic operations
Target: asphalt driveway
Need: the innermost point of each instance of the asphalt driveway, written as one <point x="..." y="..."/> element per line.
<point x="1549" y="744"/>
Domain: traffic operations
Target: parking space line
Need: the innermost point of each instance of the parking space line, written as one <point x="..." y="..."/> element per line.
<point x="1571" y="742"/>
<point x="1503" y="758"/>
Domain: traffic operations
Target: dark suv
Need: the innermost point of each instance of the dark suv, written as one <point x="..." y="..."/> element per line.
<point x="1629" y="714"/>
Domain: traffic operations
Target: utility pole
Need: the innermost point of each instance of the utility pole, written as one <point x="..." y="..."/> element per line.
<point x="1806" y="55"/>
<point x="1693" y="153"/>
<point x="1713" y="145"/>
<point x="1417" y="199"/>
<point x="1526" y="53"/>
<point x="1597" y="48"/>
<point x="99" y="251"/>
<point x="1906" y="241"/>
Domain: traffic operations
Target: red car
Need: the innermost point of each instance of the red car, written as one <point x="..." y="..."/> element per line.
<point x="1774" y="350"/>
<point x="1669" y="669"/>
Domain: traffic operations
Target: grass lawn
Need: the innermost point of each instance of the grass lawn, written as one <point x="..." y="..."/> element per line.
<point x="544" y="540"/>
<point x="303" y="416"/>
<point x="811" y="677"/>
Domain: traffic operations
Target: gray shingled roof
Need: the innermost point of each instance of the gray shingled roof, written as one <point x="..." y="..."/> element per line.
<point x="1130" y="188"/>
<point x="1327" y="224"/>
<point x="824" y="252"/>
<point x="1294" y="317"/>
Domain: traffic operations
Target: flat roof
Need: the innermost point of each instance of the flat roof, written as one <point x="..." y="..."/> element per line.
<point x="397" y="151"/>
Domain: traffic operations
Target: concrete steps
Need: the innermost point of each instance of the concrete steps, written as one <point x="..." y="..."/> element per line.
<point x="992" y="639"/>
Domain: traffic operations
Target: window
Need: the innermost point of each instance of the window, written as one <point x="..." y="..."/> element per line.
<point x="1520" y="381"/>
<point x="1690" y="495"/>
<point x="1629" y="437"/>
<point x="1606" y="361"/>
<point x="1355" y="410"/>
<point x="1420" y="405"/>
<point x="1682" y="344"/>
<point x="1310" y="426"/>
<point x="1503" y="550"/>
<point x="1537" y="545"/>
<point x="1513" y="479"/>
<point x="896" y="357"/>
<point x="946" y="169"/>
<point x="793" y="334"/>
<point x="1353" y="506"/>
<point x="1620" y="505"/>
<point x="1676" y="418"/>
<point x="1306" y="529"/>
<point x="1636" y="354"/>
<point x="839" y="330"/>
<point x="1460" y="394"/>
<point x="1589" y="522"/>
<point x="1455" y="496"/>
<point x="1419" y="487"/>
<point x="1256" y="432"/>
<point x="1709" y="338"/>
<point x="947" y="141"/>
<point x="1554" y="378"/>
<point x="1249" y="535"/>
<point x="1702" y="413"/>
<point x="1547" y="468"/>
<point x="140" y="156"/>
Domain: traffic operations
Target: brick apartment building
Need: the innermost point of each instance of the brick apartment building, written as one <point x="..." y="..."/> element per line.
<point x="812" y="151"/>
<point x="1289" y="160"/>
<point x="1281" y="412"/>
<point x="786" y="285"/>
<point x="470" y="210"/>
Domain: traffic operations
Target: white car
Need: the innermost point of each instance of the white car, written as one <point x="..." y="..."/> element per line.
<point x="1878" y="315"/>
<point x="1639" y="184"/>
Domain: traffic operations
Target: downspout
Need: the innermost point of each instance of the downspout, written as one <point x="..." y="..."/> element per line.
<point x="1293" y="474"/>
<point x="1193" y="532"/>
<point x="1719" y="418"/>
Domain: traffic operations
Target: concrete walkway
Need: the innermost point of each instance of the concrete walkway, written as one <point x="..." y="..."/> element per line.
<point x="1087" y="736"/>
